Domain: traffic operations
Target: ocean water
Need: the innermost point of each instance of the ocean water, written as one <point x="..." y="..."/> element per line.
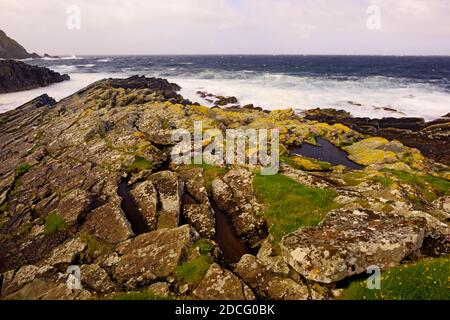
<point x="366" y="86"/>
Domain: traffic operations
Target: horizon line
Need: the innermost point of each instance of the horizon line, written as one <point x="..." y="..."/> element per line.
<point x="254" y="54"/>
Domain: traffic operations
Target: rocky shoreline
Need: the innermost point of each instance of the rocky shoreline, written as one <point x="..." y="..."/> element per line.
<point x="19" y="76"/>
<point x="431" y="138"/>
<point x="88" y="181"/>
<point x="10" y="49"/>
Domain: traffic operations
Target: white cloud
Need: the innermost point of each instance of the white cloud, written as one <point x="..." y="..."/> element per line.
<point x="229" y="26"/>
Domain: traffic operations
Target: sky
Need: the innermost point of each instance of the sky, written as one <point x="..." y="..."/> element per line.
<point x="378" y="27"/>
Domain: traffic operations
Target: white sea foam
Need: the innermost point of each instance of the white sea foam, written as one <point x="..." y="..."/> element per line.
<point x="72" y="57"/>
<point x="362" y="97"/>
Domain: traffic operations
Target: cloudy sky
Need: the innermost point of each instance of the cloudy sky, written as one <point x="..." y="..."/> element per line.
<point x="230" y="26"/>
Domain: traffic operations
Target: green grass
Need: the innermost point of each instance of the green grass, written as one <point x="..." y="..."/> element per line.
<point x="94" y="246"/>
<point x="291" y="205"/>
<point x="22" y="169"/>
<point x="385" y="182"/>
<point x="210" y="173"/>
<point x="354" y="178"/>
<point x="4" y="207"/>
<point x="204" y="246"/>
<point x="139" y="295"/>
<point x="423" y="184"/>
<point x="439" y="184"/>
<point x="53" y="223"/>
<point x="424" y="280"/>
<point x="193" y="271"/>
<point x="139" y="164"/>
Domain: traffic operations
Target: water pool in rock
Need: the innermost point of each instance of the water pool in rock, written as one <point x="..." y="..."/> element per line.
<point x="326" y="152"/>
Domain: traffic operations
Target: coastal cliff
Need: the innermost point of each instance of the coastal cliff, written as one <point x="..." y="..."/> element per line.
<point x="10" y="49"/>
<point x="89" y="181"/>
<point x="19" y="76"/>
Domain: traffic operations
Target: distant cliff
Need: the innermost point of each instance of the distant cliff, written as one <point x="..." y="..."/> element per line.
<point x="10" y="49"/>
<point x="18" y="76"/>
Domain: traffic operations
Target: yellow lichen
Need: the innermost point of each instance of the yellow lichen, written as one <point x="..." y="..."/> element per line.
<point x="365" y="152"/>
<point x="309" y="164"/>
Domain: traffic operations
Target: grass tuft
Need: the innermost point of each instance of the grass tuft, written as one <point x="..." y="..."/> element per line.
<point x="210" y="172"/>
<point x="423" y="280"/>
<point x="291" y="205"/>
<point x="193" y="271"/>
<point x="385" y="182"/>
<point x="22" y="169"/>
<point x="139" y="164"/>
<point x="53" y="223"/>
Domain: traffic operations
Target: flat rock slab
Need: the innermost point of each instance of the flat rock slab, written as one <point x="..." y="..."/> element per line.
<point x="169" y="189"/>
<point x="349" y="241"/>
<point x="146" y="198"/>
<point x="108" y="222"/>
<point x="152" y="255"/>
<point x="221" y="284"/>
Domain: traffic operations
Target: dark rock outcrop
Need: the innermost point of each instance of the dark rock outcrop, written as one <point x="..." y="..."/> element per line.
<point x="10" y="49"/>
<point x="431" y="138"/>
<point x="18" y="76"/>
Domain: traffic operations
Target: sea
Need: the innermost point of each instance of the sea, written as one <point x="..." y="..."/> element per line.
<point x="366" y="86"/>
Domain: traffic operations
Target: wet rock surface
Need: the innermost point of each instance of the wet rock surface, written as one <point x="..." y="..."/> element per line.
<point x="18" y="76"/>
<point x="431" y="138"/>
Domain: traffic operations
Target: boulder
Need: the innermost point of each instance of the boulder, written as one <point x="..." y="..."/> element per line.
<point x="201" y="217"/>
<point x="222" y="101"/>
<point x="437" y="234"/>
<point x="349" y="241"/>
<point x="169" y="189"/>
<point x="234" y="194"/>
<point x="221" y="284"/>
<point x="369" y="151"/>
<point x="146" y="199"/>
<point x="23" y="276"/>
<point x="152" y="255"/>
<point x="65" y="254"/>
<point x="267" y="285"/>
<point x="108" y="223"/>
<point x="73" y="206"/>
<point x="43" y="289"/>
<point x="194" y="184"/>
<point x="159" y="289"/>
<point x="94" y="278"/>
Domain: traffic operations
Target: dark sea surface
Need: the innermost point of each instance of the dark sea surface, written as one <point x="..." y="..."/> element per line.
<point x="371" y="86"/>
